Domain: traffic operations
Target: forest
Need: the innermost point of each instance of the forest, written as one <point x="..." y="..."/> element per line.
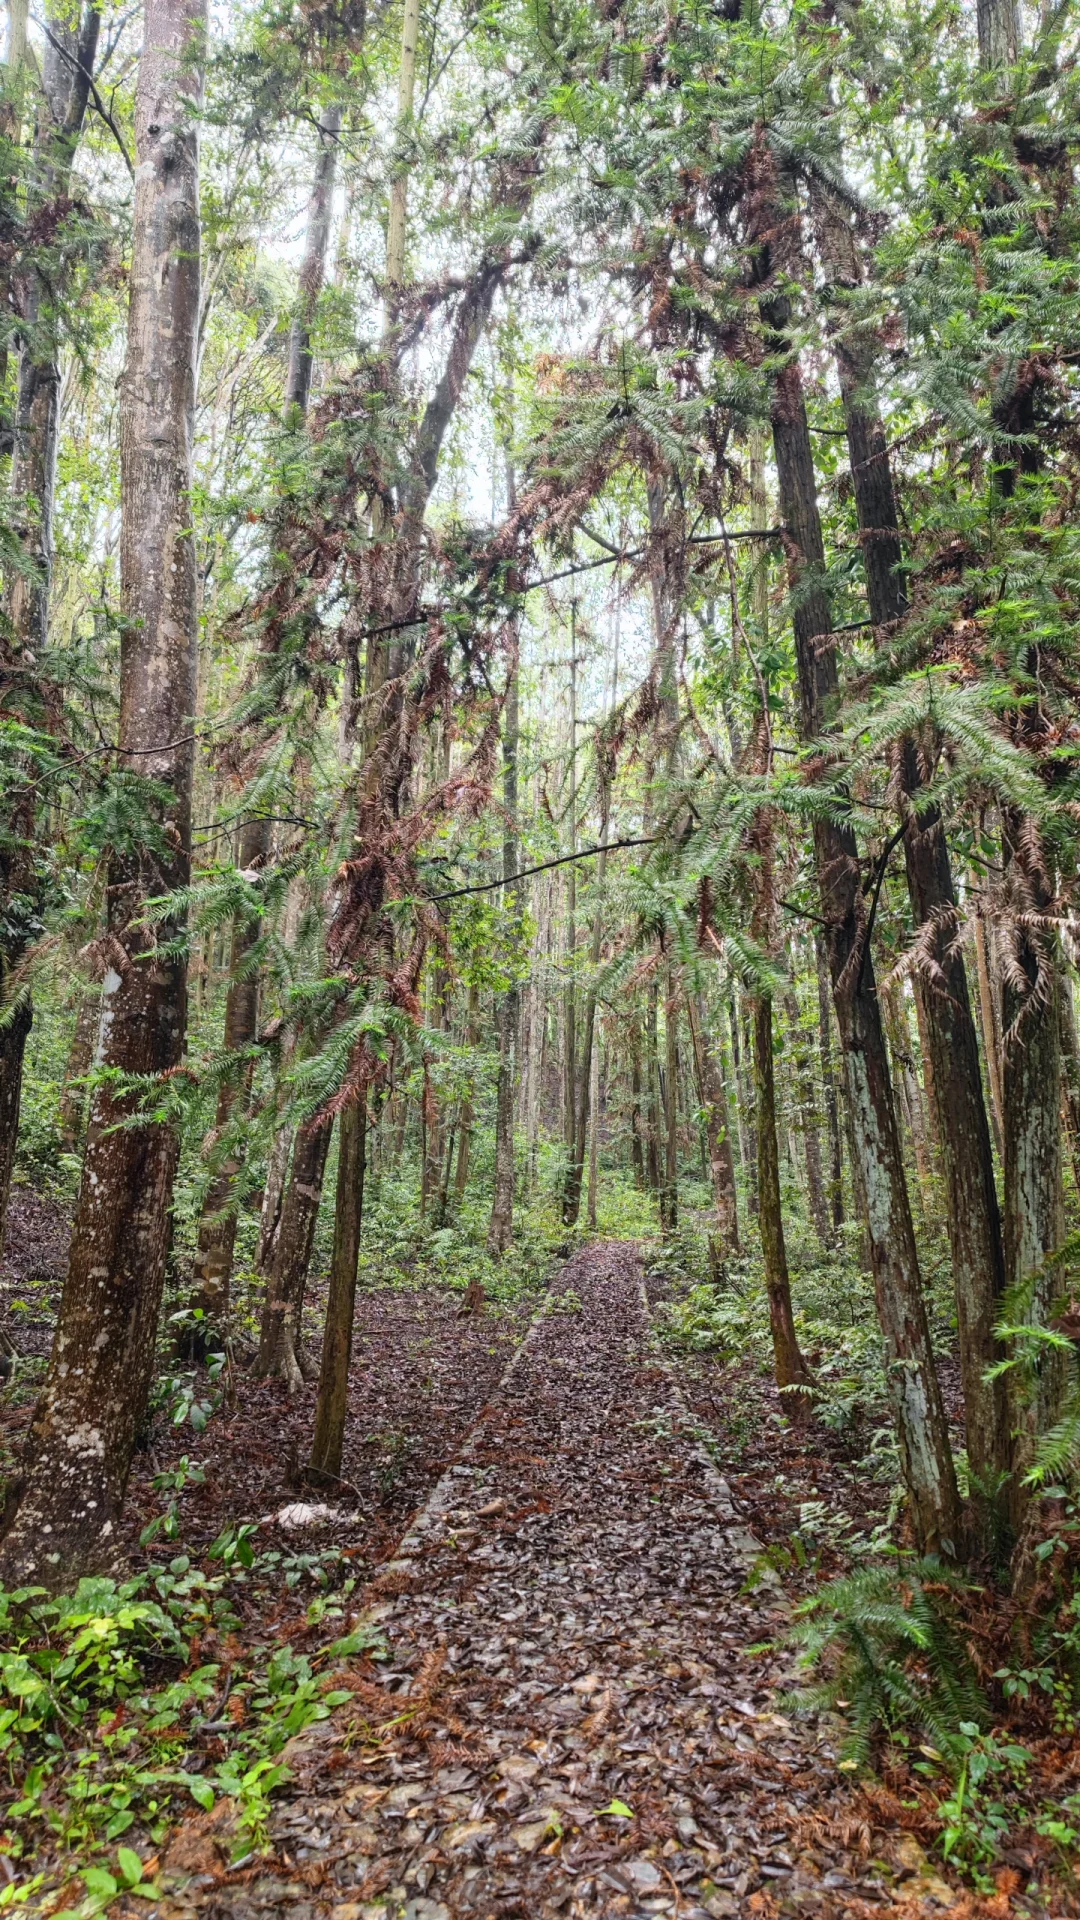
<point x="539" y="885"/>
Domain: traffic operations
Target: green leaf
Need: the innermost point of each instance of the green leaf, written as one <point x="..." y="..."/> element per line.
<point x="201" y="1792"/>
<point x="130" y="1865"/>
<point x="619" y="1808"/>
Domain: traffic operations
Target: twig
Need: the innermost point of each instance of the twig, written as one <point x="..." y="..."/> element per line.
<point x="586" y="853"/>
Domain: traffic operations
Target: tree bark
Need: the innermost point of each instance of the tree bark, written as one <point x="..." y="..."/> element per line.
<point x="1070" y="1073"/>
<point x="278" y="1334"/>
<point x="67" y="60"/>
<point x="1031" y="1102"/>
<point x="331" y="1404"/>
<point x="712" y="1094"/>
<point x="971" y="1199"/>
<point x="78" y="1064"/>
<point x="790" y="1368"/>
<point x="95" y="1392"/>
<point x="669" y="1189"/>
<point x="808" y="1123"/>
<point x="216" y="1245"/>
<point x="501" y="1225"/>
<point x="914" y="1388"/>
<point x="828" y="1082"/>
<point x="637" y="1124"/>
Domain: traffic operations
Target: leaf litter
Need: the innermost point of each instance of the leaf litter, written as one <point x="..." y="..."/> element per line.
<point x="578" y="1717"/>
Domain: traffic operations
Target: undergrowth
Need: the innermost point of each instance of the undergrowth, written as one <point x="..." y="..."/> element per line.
<point x="113" y="1718"/>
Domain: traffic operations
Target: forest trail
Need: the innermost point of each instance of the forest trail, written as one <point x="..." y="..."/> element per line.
<point x="569" y="1635"/>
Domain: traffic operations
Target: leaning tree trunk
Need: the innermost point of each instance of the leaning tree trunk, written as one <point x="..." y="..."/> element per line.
<point x="793" y="1376"/>
<point x="66" y="66"/>
<point x="96" y="1389"/>
<point x="913" y="1385"/>
<point x="217" y="1226"/>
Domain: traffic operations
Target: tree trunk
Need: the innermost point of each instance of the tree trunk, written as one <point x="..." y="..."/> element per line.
<point x="501" y="1226"/>
<point x="79" y="1061"/>
<point x="637" y="1123"/>
<point x="790" y="1367"/>
<point x="652" y="1091"/>
<point x="67" y="61"/>
<point x="808" y="1123"/>
<point x="991" y="1030"/>
<point x="95" y="1392"/>
<point x="1031" y="1095"/>
<point x="333" y="1396"/>
<point x="971" y="1199"/>
<point x="296" y="1236"/>
<point x="594" y="1141"/>
<point x="576" y="1171"/>
<point x="217" y="1226"/>
<point x="914" y="1388"/>
<point x="1070" y="1073"/>
<point x="669" y="1189"/>
<point x="828" y="1082"/>
<point x="467" y="1115"/>
<point x="745" y="1105"/>
<point x="712" y="1094"/>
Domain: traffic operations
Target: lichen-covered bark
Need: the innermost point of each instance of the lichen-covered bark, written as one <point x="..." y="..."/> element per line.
<point x="94" y="1396"/>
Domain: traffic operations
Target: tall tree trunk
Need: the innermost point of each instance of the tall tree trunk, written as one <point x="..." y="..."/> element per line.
<point x="790" y="1368"/>
<point x="570" y="995"/>
<point x="1031" y="1102"/>
<point x="1070" y="1072"/>
<point x="745" y="1103"/>
<point x="501" y="1226"/>
<point x="971" y="1200"/>
<point x="67" y="62"/>
<point x="95" y="1392"/>
<point x="467" y="1115"/>
<point x="808" y="1123"/>
<point x="669" y="1190"/>
<point x="712" y="1093"/>
<point x="292" y="1254"/>
<point x="652" y="1091"/>
<point x="914" y="1388"/>
<point x="594" y="1141"/>
<point x="991" y="1033"/>
<point x="637" y="1121"/>
<point x="828" y="1083"/>
<point x="216" y="1245"/>
<point x="79" y="1061"/>
<point x="332" y="1401"/>
<point x="576" y="1170"/>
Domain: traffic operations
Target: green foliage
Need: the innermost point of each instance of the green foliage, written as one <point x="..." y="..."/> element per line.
<point x="896" y="1663"/>
<point x="103" y="1697"/>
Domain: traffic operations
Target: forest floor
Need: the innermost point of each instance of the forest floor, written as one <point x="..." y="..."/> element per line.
<point x="578" y="1706"/>
<point x="579" y="1715"/>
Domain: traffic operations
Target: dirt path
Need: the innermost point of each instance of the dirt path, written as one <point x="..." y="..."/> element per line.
<point x="572" y="1723"/>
